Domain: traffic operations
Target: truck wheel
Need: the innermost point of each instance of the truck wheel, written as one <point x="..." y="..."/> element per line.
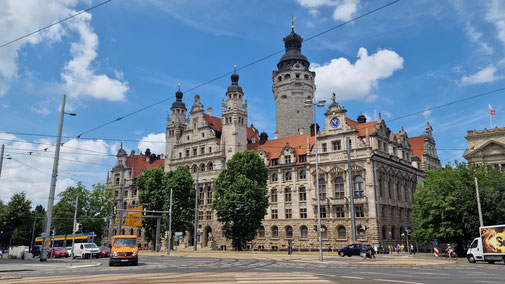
<point x="111" y="263"/>
<point x="342" y="254"/>
<point x="471" y="259"/>
<point x="135" y="263"/>
<point x="490" y="261"/>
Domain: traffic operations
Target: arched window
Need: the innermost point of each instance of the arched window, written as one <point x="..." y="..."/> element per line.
<point x="303" y="174"/>
<point x="324" y="232"/>
<point x="339" y="188"/>
<point x="322" y="189"/>
<point x="202" y="167"/>
<point x="261" y="232"/>
<point x="210" y="166"/>
<point x="288" y="176"/>
<point x="131" y="231"/>
<point x="341" y="233"/>
<point x="361" y="232"/>
<point x="358" y="187"/>
<point x="117" y="179"/>
<point x="393" y="233"/>
<point x="273" y="195"/>
<point x="275" y="177"/>
<point x="275" y="232"/>
<point x="289" y="232"/>
<point x="304" y="232"/>
<point x="195" y="168"/>
<point x="384" y="233"/>
<point x="287" y="76"/>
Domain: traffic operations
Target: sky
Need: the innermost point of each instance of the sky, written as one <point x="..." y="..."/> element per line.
<point x="126" y="55"/>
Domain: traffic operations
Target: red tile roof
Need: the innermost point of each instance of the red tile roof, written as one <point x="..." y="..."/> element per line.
<point x="274" y="147"/>
<point x="214" y="122"/>
<point x="138" y="163"/>
<point x="417" y="146"/>
<point x="361" y="127"/>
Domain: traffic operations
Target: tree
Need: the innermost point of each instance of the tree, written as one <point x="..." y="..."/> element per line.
<point x="16" y="220"/>
<point x="93" y="208"/>
<point x="152" y="196"/>
<point x="446" y="204"/>
<point x="240" y="197"/>
<point x="154" y="186"/>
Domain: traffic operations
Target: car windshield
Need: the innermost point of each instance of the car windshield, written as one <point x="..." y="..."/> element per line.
<point x="59" y="249"/>
<point x="90" y="245"/>
<point x="104" y="248"/>
<point x="125" y="242"/>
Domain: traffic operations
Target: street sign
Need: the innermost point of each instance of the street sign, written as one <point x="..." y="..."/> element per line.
<point x="436" y="242"/>
<point x="134" y="217"/>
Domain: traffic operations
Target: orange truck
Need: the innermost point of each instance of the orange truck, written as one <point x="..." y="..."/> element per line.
<point x="124" y="250"/>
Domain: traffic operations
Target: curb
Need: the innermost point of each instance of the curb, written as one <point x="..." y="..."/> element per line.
<point x="86" y="265"/>
<point x="10" y="277"/>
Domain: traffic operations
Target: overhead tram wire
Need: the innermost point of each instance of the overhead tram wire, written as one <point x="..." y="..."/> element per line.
<point x="240" y="68"/>
<point x="56" y="23"/>
<point x="448" y="104"/>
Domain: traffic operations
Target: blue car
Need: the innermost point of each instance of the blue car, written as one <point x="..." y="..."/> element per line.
<point x="355" y="249"/>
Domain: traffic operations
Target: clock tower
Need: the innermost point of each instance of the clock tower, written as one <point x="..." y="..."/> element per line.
<point x="335" y="116"/>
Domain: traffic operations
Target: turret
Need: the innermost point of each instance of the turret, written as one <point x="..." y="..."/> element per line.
<point x="234" y="120"/>
<point x="175" y="126"/>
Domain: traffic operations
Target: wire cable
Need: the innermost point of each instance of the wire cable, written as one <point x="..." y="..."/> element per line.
<point x="56" y="23"/>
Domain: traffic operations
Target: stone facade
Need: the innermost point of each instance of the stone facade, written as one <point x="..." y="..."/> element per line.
<point x="486" y="147"/>
<point x="386" y="167"/>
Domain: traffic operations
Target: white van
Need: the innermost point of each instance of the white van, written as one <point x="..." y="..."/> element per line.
<point x="86" y="250"/>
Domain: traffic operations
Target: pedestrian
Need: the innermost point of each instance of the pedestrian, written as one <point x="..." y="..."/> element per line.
<point x="402" y="248"/>
<point x="363" y="250"/>
<point x="412" y="251"/>
<point x="397" y="248"/>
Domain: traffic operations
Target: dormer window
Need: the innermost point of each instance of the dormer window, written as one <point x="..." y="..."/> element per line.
<point x="275" y="162"/>
<point x="302" y="158"/>
<point x="288" y="159"/>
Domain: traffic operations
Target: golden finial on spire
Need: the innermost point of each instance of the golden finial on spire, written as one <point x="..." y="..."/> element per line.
<point x="179" y="84"/>
<point x="293" y="22"/>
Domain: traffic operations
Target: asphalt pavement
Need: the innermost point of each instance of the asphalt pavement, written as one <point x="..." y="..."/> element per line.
<point x="249" y="267"/>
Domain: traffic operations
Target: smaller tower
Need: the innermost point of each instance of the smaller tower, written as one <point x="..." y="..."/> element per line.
<point x="234" y="120"/>
<point x="175" y="127"/>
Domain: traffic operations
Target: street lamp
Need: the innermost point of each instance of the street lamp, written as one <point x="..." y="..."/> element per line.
<point x="313" y="104"/>
<point x="52" y="187"/>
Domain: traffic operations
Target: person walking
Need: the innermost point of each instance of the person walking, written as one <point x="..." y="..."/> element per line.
<point x="412" y="251"/>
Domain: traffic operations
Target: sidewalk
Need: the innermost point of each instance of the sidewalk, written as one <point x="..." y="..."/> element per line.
<point x="420" y="259"/>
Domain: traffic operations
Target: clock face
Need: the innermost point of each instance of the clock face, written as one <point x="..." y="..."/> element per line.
<point x="335" y="122"/>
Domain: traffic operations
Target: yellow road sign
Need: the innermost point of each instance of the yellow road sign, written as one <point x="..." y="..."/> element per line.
<point x="134" y="217"/>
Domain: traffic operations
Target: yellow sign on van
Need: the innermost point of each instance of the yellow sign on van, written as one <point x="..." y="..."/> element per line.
<point x="134" y="217"/>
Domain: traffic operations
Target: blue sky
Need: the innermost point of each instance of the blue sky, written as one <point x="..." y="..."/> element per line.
<point x="126" y="55"/>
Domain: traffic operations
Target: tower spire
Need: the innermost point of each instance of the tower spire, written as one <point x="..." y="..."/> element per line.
<point x="293" y="22"/>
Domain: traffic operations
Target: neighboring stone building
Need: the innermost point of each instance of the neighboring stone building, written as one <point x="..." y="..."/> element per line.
<point x="386" y="166"/>
<point x="122" y="181"/>
<point x="486" y="147"/>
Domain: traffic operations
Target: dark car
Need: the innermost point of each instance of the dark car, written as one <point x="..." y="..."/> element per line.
<point x="104" y="251"/>
<point x="355" y="249"/>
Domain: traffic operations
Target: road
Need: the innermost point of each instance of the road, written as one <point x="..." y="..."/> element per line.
<point x="189" y="269"/>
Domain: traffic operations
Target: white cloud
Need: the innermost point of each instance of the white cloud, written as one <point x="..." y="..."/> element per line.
<point x="485" y="75"/>
<point x="496" y="15"/>
<point x="343" y="10"/>
<point x="18" y="18"/>
<point x="155" y="143"/>
<point x="476" y="37"/>
<point x="32" y="173"/>
<point x="355" y="81"/>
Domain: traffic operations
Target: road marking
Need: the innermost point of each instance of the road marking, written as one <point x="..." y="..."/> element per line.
<point x="396" y="281"/>
<point x="484" y="281"/>
<point x="352" y="277"/>
<point x="428" y="273"/>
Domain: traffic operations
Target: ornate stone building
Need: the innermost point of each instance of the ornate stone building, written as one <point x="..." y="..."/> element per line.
<point x="386" y="167"/>
<point x="486" y="147"/>
<point x="122" y="182"/>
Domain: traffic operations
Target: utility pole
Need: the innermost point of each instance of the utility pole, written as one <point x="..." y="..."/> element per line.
<point x="169" y="239"/>
<point x="196" y="211"/>
<point x="52" y="188"/>
<point x="351" y="189"/>
<point x="121" y="208"/>
<point x="481" y="221"/>
<point x="73" y="230"/>
<point x="33" y="232"/>
<point x="1" y="158"/>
